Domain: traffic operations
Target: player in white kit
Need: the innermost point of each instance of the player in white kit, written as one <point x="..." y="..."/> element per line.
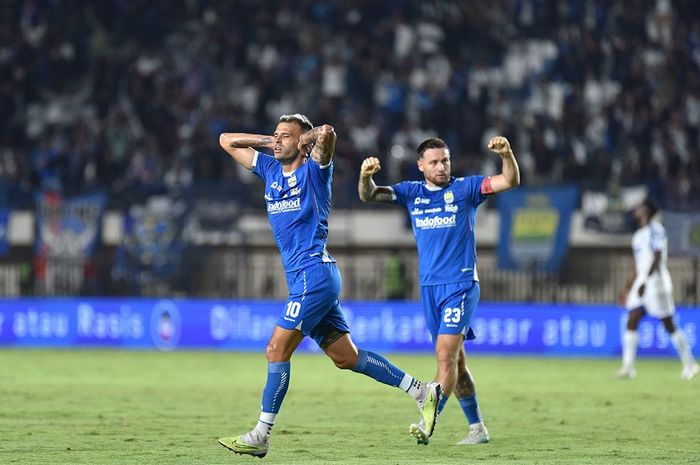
<point x="650" y="291"/>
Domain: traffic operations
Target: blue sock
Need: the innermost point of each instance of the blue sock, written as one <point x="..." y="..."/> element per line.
<point x="471" y="409"/>
<point x="278" y="374"/>
<point x="442" y="403"/>
<point x="377" y="367"/>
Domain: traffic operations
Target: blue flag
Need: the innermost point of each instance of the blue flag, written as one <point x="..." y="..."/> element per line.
<point x="535" y="227"/>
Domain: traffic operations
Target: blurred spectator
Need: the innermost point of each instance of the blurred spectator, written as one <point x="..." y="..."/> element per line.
<point x="129" y="96"/>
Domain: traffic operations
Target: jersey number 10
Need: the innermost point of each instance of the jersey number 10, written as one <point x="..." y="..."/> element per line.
<point x="293" y="309"/>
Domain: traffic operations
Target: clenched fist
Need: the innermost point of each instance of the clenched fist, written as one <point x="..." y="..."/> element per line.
<point x="500" y="145"/>
<point x="370" y="166"/>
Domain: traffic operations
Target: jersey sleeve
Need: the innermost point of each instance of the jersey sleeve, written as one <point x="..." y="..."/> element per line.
<point x="472" y="189"/>
<point x="320" y="174"/>
<point x="402" y="192"/>
<point x="262" y="164"/>
<point x="657" y="237"/>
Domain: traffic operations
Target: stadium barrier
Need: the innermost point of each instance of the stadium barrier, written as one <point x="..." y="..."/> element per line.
<point x="392" y="326"/>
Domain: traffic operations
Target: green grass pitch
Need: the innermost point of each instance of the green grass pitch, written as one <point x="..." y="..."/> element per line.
<point x="108" y="407"/>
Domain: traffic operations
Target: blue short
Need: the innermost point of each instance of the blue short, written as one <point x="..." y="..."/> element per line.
<point x="449" y="308"/>
<point x="313" y="306"/>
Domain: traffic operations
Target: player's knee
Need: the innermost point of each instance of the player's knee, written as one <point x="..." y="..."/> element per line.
<point x="344" y="363"/>
<point x="274" y="353"/>
<point x="668" y="324"/>
<point x="345" y="360"/>
<point x="633" y="320"/>
<point x="446" y="357"/>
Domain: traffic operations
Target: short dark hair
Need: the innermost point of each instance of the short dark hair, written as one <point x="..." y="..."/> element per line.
<point x="651" y="206"/>
<point x="301" y="120"/>
<point x="432" y="143"/>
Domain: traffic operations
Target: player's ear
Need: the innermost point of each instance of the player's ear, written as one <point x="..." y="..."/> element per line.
<point x="419" y="162"/>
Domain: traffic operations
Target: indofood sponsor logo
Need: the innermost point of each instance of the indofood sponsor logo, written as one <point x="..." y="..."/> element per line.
<point x="166" y="325"/>
<point x="434" y="222"/>
<point x="284" y="206"/>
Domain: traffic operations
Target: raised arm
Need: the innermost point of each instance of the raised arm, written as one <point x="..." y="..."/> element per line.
<point x="241" y="146"/>
<point x="367" y="189"/>
<point x="510" y="173"/>
<point x="323" y="140"/>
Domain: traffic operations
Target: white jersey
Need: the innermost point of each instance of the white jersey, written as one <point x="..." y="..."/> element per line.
<point x="657" y="298"/>
<point x="646" y="242"/>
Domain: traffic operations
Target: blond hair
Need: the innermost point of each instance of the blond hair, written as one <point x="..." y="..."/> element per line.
<point x="301" y="120"/>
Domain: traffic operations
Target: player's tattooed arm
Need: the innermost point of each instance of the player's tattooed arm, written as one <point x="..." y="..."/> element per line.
<point x="366" y="187"/>
<point x="240" y="146"/>
<point x="242" y="141"/>
<point x="323" y="140"/>
<point x="308" y="138"/>
<point x="510" y="173"/>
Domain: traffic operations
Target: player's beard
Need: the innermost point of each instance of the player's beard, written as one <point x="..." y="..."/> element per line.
<point x="440" y="181"/>
<point x="287" y="156"/>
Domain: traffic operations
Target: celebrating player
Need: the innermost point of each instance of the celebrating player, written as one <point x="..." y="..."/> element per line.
<point x="298" y="197"/>
<point x="649" y="291"/>
<point x="442" y="210"/>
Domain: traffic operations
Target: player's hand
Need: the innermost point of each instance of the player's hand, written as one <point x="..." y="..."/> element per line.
<point x="641" y="290"/>
<point x="305" y="147"/>
<point x="370" y="165"/>
<point x="500" y="145"/>
<point x="622" y="297"/>
<point x="269" y="142"/>
<point x="306" y="142"/>
<point x="307" y="139"/>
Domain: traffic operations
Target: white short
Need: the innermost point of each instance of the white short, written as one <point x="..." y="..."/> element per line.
<point x="656" y="303"/>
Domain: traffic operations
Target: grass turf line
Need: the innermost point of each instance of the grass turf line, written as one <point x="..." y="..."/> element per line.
<point x="110" y="407"/>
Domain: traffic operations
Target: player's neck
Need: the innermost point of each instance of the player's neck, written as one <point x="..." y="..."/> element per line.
<point x="432" y="186"/>
<point x="292" y="165"/>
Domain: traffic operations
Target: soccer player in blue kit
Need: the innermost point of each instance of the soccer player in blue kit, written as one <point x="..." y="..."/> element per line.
<point x="298" y="198"/>
<point x="443" y="212"/>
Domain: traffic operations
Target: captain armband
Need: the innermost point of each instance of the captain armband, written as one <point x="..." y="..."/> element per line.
<point x="486" y="188"/>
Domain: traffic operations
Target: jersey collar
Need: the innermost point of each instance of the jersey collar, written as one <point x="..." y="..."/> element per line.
<point x="438" y="188"/>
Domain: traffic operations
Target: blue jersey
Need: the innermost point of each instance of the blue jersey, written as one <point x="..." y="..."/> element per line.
<point x="298" y="204"/>
<point x="443" y="223"/>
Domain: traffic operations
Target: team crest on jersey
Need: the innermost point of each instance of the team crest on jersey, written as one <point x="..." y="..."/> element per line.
<point x="449" y="197"/>
<point x="292" y="180"/>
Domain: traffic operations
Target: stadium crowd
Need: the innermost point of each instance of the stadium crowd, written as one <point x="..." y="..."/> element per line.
<point x="130" y="95"/>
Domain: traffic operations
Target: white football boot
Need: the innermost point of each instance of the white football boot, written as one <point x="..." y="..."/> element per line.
<point x="689" y="372"/>
<point x="626" y="373"/>
<point x="478" y="434"/>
